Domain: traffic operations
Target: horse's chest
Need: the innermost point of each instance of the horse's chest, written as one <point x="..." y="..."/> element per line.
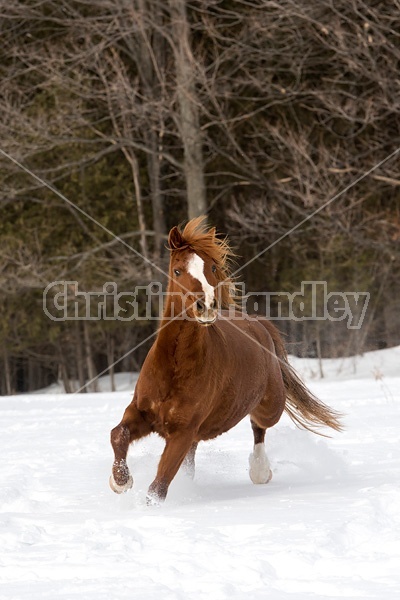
<point x="168" y="418"/>
<point x="165" y="409"/>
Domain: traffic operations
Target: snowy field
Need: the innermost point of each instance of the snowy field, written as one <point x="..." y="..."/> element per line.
<point x="327" y="526"/>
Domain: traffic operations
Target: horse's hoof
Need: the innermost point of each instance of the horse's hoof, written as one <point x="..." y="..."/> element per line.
<point x="156" y="494"/>
<point x="120" y="489"/>
<point x="261" y="478"/>
<point x="152" y="500"/>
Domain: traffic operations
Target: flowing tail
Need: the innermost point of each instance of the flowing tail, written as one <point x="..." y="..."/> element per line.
<point x="305" y="410"/>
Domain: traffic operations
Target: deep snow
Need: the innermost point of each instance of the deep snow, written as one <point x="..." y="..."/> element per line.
<point x="326" y="526"/>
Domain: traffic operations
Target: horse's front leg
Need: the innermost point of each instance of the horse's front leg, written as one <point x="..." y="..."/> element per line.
<point x="189" y="461"/>
<point x="177" y="447"/>
<point x="132" y="427"/>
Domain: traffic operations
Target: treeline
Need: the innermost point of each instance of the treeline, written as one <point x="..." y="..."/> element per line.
<point x="144" y="113"/>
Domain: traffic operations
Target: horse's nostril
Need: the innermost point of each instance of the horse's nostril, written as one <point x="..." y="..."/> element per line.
<point x="200" y="306"/>
<point x="214" y="303"/>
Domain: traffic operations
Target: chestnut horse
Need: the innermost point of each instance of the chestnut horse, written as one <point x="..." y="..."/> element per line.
<point x="207" y="371"/>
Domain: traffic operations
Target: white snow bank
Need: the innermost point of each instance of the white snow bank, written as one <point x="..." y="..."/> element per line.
<point x="327" y="526"/>
<point x="376" y="365"/>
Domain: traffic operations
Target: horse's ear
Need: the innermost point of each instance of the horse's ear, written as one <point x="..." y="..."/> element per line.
<point x="175" y="239"/>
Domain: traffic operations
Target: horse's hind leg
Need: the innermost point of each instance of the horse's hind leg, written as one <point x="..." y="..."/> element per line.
<point x="132" y="427"/>
<point x="260" y="470"/>
<point x="264" y="416"/>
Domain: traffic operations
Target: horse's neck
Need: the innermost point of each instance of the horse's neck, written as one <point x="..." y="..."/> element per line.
<point x="177" y="337"/>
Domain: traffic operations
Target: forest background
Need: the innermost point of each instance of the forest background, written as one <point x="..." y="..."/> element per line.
<point x="144" y="113"/>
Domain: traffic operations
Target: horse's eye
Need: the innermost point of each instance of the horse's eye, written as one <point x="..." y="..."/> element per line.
<point x="214" y="269"/>
<point x="177" y="272"/>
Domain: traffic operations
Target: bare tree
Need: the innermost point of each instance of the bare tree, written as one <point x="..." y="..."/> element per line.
<point x="188" y="121"/>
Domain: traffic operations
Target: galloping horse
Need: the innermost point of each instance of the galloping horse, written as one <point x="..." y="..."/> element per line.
<point x="206" y="371"/>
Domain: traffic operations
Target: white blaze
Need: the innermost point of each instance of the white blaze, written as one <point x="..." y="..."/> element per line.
<point x="196" y="269"/>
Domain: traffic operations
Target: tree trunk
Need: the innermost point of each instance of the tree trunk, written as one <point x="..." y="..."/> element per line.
<point x="139" y="206"/>
<point x="151" y="52"/>
<point x="63" y="372"/>
<point x="154" y="168"/>
<point x="111" y="360"/>
<point x="92" y="385"/>
<point x="7" y="372"/>
<point x="188" y="121"/>
<point x="32" y="371"/>
<point x="80" y="365"/>
<point x="319" y="354"/>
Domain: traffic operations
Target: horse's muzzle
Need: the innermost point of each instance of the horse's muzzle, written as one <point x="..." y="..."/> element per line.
<point x="205" y="315"/>
<point x="206" y="322"/>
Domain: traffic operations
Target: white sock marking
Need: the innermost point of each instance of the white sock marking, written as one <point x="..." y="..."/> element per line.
<point x="196" y="269"/>
<point x="260" y="469"/>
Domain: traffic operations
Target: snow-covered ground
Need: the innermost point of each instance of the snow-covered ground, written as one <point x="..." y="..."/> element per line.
<point x="327" y="526"/>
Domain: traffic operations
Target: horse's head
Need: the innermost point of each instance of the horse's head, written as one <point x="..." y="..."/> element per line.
<point x="198" y="270"/>
<point x="194" y="276"/>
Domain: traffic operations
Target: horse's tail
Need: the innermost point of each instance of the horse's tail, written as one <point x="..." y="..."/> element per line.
<point x="302" y="406"/>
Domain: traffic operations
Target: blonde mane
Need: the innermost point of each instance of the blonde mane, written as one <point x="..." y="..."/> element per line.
<point x="197" y="236"/>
